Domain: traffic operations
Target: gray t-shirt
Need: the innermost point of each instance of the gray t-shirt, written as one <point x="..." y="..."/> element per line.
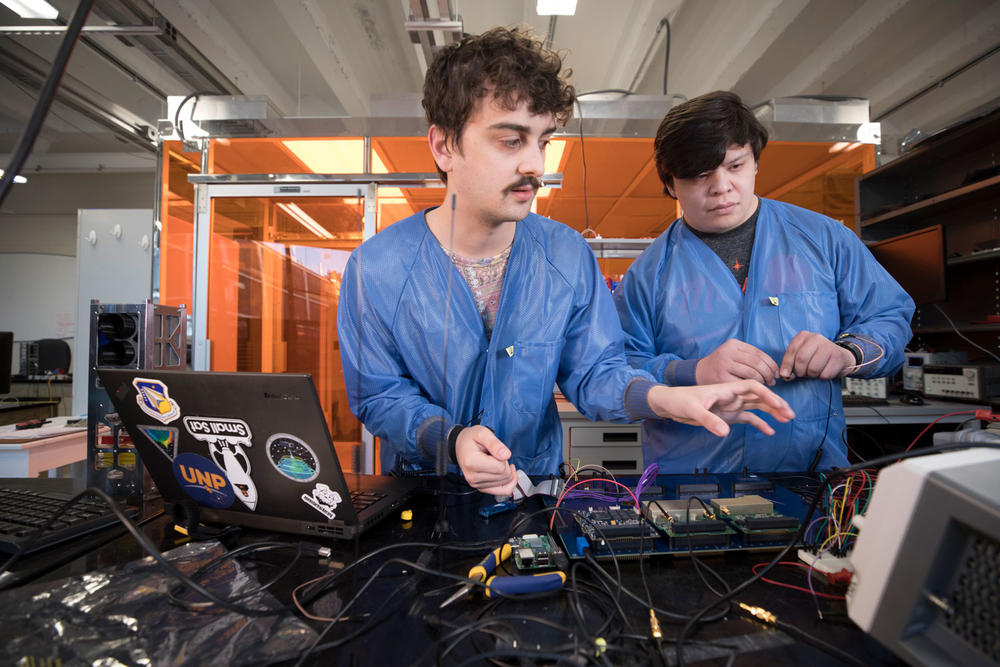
<point x="735" y="246"/>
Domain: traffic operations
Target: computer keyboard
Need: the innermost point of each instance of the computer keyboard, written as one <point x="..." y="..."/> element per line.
<point x="23" y="511"/>
<point x="857" y="400"/>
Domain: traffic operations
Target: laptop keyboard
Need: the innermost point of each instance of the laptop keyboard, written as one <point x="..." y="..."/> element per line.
<point x="22" y="511"/>
<point x="363" y="499"/>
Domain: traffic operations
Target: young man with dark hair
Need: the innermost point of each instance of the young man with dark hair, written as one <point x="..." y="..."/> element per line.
<point x="469" y="313"/>
<point x="742" y="287"/>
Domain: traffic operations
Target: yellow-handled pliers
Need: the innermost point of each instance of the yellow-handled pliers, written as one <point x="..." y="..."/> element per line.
<point x="480" y="572"/>
<point x="512" y="585"/>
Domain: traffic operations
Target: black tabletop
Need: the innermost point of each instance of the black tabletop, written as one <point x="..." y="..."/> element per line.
<point x="381" y="596"/>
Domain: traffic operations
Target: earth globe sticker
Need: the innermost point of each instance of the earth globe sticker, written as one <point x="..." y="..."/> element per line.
<point x="292" y="457"/>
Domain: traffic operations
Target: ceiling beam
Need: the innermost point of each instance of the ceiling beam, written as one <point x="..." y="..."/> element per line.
<point x="811" y="73"/>
<point x="777" y="17"/>
<point x="328" y="55"/>
<point x="172" y="49"/>
<point x="212" y="35"/>
<point x="22" y="65"/>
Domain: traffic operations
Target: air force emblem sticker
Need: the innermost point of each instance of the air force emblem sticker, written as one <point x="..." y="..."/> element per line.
<point x="154" y="399"/>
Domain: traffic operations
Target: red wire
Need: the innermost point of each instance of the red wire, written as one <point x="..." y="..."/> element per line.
<point x="794" y="588"/>
<point x="950" y="414"/>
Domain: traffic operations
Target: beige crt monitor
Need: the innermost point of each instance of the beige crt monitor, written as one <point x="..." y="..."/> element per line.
<point x="927" y="560"/>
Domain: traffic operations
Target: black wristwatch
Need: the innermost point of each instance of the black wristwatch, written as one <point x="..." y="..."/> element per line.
<point x="853" y="348"/>
<point x="453" y="440"/>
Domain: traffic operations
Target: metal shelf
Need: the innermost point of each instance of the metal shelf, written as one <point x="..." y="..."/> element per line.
<point x="982" y="187"/>
<point x="618" y="248"/>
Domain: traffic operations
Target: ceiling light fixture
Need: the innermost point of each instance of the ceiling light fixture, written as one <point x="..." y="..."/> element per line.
<point x="553" y="161"/>
<point x="556" y="7"/>
<point x="329" y="156"/>
<point x="303" y="218"/>
<point x="31" y="9"/>
<point x="17" y="179"/>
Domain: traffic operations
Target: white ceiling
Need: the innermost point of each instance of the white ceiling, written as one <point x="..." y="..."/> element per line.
<point x="331" y="58"/>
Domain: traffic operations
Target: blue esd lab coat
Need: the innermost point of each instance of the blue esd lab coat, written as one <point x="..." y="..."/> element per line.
<point x="807" y="273"/>
<point x="556" y="323"/>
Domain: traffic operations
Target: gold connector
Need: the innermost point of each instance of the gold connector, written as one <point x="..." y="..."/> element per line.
<point x="759" y="612"/>
<point x="654" y="625"/>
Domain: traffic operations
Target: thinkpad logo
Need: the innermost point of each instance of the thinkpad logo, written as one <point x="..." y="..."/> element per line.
<point x="282" y="397"/>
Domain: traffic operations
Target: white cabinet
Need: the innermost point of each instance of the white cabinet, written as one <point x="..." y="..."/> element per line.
<point x="617" y="447"/>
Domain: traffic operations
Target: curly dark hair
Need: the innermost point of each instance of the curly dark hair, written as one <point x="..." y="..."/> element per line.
<point x="694" y="136"/>
<point x="508" y="63"/>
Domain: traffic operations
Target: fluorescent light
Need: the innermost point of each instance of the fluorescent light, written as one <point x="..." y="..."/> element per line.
<point x="17" y="179"/>
<point x="31" y="9"/>
<point x="557" y="7"/>
<point x="329" y="156"/>
<point x="378" y="167"/>
<point x="303" y="218"/>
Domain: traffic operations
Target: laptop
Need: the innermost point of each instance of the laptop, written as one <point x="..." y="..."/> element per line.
<point x="251" y="449"/>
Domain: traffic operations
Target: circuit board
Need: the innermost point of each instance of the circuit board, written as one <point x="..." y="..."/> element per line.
<point x="536" y="552"/>
<point x="689" y="513"/>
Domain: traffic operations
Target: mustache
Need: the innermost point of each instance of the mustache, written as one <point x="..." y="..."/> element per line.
<point x="526" y="180"/>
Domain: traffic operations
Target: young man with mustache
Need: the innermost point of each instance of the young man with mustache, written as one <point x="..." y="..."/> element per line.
<point x="469" y="313"/>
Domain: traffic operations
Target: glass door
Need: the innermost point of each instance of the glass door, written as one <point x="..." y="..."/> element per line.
<point x="268" y="263"/>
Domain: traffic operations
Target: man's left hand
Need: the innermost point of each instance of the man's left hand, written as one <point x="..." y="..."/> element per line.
<point x="811" y="355"/>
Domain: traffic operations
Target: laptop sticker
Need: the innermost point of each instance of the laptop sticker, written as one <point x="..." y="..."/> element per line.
<point x="292" y="457"/>
<point x="164" y="437"/>
<point x="207" y="429"/>
<point x="203" y="480"/>
<point x="230" y="457"/>
<point x="154" y="399"/>
<point x="323" y="499"/>
<point x="225" y="439"/>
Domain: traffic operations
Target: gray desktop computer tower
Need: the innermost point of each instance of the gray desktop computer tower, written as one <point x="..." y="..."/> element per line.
<point x="139" y="335"/>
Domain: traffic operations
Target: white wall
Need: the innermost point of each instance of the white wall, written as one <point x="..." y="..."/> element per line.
<point x="38" y="245"/>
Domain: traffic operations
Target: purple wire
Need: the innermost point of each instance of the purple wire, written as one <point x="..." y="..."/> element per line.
<point x="647" y="478"/>
<point x="805" y="535"/>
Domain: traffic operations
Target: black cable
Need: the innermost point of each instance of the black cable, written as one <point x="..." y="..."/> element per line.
<point x="605" y="91"/>
<point x="150" y="549"/>
<point x="45" y="98"/>
<point x="317" y="645"/>
<point x="218" y="561"/>
<point x="826" y="647"/>
<point x="836" y="474"/>
<point x="819" y="449"/>
<point x="666" y="59"/>
<point x="177" y="113"/>
<point x="321" y="586"/>
<point x="663" y="612"/>
<point x="843" y="438"/>
<point x="855" y="429"/>
<point x="583" y="161"/>
<point x="376" y="617"/>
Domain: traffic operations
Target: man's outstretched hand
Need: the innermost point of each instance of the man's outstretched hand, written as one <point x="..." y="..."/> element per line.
<point x="715" y="406"/>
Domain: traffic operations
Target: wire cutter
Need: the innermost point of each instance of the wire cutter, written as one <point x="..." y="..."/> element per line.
<point x="514" y="585"/>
